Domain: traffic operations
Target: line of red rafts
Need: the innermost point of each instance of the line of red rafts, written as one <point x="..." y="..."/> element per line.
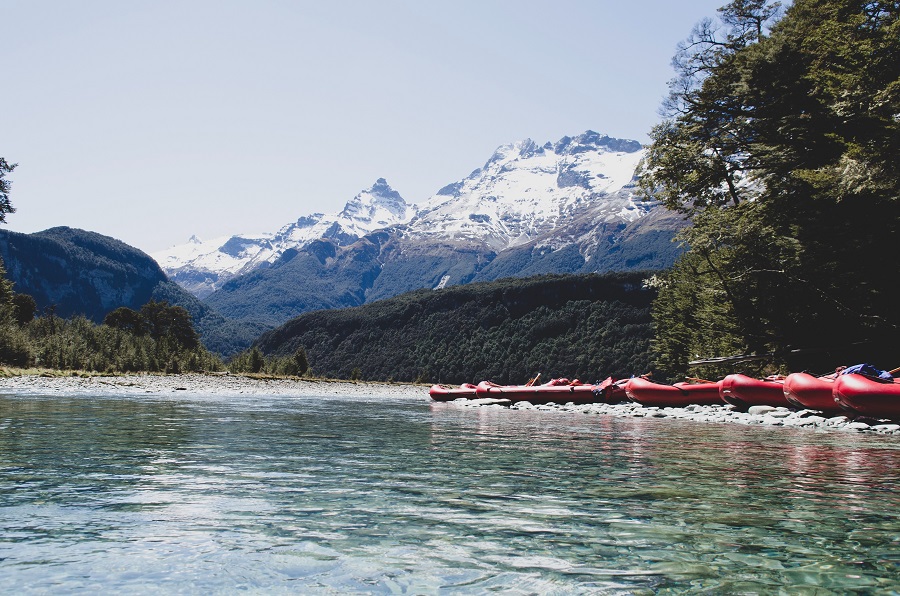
<point x="832" y="394"/>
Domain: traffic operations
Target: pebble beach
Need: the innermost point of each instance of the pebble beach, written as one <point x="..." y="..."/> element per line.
<point x="207" y="384"/>
<point x="241" y="386"/>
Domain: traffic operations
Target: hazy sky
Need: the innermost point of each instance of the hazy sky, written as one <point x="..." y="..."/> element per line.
<point x="153" y="121"/>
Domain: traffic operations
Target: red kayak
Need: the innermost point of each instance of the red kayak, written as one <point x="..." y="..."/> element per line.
<point x="742" y="392"/>
<point x="449" y="393"/>
<point x="804" y="390"/>
<point x="559" y="391"/>
<point x="870" y="397"/>
<point x="648" y="393"/>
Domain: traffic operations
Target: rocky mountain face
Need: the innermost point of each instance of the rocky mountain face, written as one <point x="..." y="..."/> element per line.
<point x="79" y="272"/>
<point x="564" y="207"/>
<point x="76" y="272"/>
<point x="203" y="267"/>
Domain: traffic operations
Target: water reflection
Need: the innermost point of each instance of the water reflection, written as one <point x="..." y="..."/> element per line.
<point x="316" y="494"/>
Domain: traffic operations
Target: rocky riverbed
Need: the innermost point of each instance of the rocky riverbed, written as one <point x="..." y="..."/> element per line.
<point x="763" y="415"/>
<point x="209" y="384"/>
<point x="238" y="385"/>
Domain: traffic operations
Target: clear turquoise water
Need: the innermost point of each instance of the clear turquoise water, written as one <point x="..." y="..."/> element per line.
<point x="313" y="495"/>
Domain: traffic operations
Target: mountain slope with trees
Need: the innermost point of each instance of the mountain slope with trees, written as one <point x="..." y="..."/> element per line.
<point x="781" y="143"/>
<point x="584" y="326"/>
<point x="71" y="272"/>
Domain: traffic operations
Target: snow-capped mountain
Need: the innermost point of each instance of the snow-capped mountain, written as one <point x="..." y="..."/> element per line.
<point x="563" y="207"/>
<point x="202" y="267"/>
<point x="526" y="191"/>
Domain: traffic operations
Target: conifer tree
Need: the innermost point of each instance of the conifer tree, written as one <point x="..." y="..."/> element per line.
<point x="5" y="205"/>
<point x="781" y="141"/>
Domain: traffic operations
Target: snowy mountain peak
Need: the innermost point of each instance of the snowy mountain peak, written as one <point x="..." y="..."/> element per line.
<point x="593" y="141"/>
<point x="202" y="267"/>
<point x="526" y="190"/>
<point x="380" y="205"/>
<point x="525" y="193"/>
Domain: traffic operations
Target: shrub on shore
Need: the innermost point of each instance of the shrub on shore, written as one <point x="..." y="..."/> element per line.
<point x="253" y="361"/>
<point x="79" y="344"/>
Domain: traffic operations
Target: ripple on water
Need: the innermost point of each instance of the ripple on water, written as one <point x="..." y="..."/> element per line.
<point x="384" y="495"/>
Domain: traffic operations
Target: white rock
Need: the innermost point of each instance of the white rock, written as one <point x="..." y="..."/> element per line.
<point x="886" y="428"/>
<point x="488" y="401"/>
<point x="781" y="413"/>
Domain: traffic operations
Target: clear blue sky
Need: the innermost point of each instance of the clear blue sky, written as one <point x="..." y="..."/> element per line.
<point x="152" y="121"/>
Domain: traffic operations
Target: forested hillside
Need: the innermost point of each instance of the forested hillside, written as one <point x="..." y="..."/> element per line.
<point x="781" y="143"/>
<point x="588" y="327"/>
<point x="72" y="272"/>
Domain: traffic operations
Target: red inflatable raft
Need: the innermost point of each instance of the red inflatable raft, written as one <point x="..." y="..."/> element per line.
<point x="867" y="396"/>
<point x="448" y="393"/>
<point x="804" y="390"/>
<point x="559" y="391"/>
<point x="742" y="392"/>
<point x="648" y="393"/>
<point x="611" y="391"/>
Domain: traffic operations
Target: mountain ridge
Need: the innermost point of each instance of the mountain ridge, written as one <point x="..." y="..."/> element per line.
<point x="524" y="190"/>
<point x="203" y="267"/>
<point x="564" y="207"/>
<point x="72" y="272"/>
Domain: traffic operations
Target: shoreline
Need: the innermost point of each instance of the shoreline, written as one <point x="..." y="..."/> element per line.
<point x="234" y="385"/>
<point x="209" y="384"/>
<point x="768" y="416"/>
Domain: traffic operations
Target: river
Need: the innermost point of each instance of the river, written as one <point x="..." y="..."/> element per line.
<point x="380" y="494"/>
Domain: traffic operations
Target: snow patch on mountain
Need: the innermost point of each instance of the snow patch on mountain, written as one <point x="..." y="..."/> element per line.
<point x="201" y="267"/>
<point x="526" y="190"/>
<point x="553" y="194"/>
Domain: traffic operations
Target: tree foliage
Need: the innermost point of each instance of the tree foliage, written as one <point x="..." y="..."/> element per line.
<point x="126" y="344"/>
<point x="781" y="143"/>
<point x="255" y="362"/>
<point x="584" y="326"/>
<point x="5" y="204"/>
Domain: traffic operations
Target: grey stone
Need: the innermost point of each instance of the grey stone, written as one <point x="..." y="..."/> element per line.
<point x="488" y="401"/>
<point x="886" y="428"/>
<point x="781" y="413"/>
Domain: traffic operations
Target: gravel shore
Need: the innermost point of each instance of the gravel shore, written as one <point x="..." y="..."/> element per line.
<point x="207" y="384"/>
<point x="237" y="385"/>
<point x="761" y="415"/>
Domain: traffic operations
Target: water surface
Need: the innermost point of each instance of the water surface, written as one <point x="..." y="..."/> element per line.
<point x="201" y="494"/>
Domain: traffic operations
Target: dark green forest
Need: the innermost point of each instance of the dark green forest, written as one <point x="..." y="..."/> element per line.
<point x="157" y="338"/>
<point x="781" y="143"/>
<point x="577" y="326"/>
<point x="79" y="273"/>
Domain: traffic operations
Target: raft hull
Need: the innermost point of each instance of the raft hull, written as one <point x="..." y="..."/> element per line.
<point x="678" y="395"/>
<point x="806" y="391"/>
<point x="538" y="394"/>
<point x="446" y="393"/>
<point x="742" y="392"/>
<point x="862" y="395"/>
